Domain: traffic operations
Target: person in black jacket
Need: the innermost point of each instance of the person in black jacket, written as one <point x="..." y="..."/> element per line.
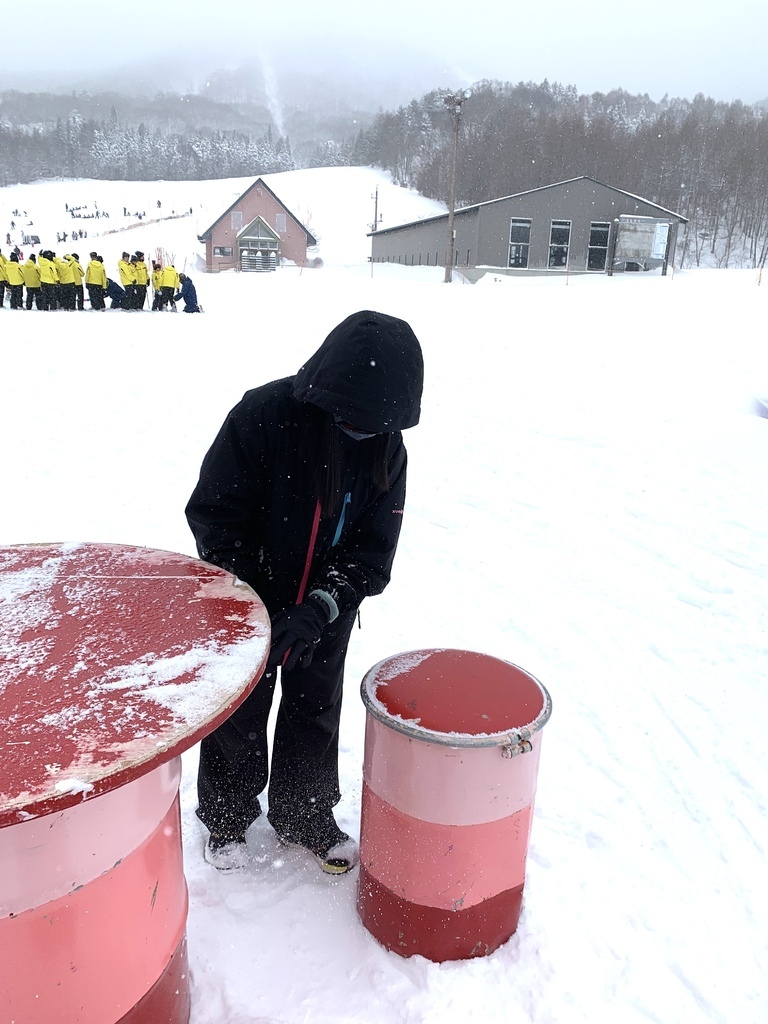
<point x="301" y="496"/>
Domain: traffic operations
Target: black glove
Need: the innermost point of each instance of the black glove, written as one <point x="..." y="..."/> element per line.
<point x="295" y="633"/>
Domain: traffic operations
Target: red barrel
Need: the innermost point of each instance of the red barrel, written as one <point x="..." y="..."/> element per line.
<point x="113" y="660"/>
<point x="452" y="745"/>
<point x="93" y="909"/>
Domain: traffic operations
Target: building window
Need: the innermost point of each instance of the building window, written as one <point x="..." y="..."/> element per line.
<point x="559" y="243"/>
<point x="236" y="220"/>
<point x="519" y="243"/>
<point x="222" y="250"/>
<point x="280" y="227"/>
<point x="598" y="244"/>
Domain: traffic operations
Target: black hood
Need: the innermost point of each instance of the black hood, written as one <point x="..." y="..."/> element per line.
<point x="369" y="372"/>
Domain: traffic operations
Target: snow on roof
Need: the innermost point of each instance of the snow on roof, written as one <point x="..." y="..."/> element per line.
<point x="530" y="191"/>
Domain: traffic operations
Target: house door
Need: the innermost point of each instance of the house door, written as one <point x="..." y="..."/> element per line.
<point x="257" y="260"/>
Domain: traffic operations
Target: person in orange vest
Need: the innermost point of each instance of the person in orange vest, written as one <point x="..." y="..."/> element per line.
<point x="31" y="272"/>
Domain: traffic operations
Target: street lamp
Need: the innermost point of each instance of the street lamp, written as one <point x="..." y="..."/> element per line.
<point x="453" y="104"/>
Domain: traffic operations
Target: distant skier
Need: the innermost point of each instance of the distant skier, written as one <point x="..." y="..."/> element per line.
<point x="188" y="294"/>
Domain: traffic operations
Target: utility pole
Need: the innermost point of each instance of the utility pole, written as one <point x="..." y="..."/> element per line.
<point x="453" y="104"/>
<point x="376" y="217"/>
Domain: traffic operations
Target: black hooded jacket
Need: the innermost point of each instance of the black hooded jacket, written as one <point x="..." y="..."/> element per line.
<point x="253" y="509"/>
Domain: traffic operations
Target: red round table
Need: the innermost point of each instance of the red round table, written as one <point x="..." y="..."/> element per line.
<point x="113" y="660"/>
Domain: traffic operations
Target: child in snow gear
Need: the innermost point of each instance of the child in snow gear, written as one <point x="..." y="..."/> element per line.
<point x="301" y="496"/>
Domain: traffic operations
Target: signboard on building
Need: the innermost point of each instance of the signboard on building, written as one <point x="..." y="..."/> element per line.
<point x="641" y="239"/>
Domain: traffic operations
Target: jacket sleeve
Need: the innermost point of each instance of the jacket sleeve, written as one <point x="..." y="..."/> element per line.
<point x="224" y="507"/>
<point x="361" y="564"/>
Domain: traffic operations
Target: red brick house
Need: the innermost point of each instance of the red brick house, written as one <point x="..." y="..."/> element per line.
<point x="254" y="233"/>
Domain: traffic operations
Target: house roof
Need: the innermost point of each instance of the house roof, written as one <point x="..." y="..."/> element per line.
<point x="311" y="240"/>
<point x="527" y="192"/>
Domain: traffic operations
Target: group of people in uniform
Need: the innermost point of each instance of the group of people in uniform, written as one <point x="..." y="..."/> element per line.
<point x="50" y="281"/>
<point x="53" y="282"/>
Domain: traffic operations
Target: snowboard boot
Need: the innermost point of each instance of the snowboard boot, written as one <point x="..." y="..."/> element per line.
<point x="226" y="853"/>
<point x="334" y="850"/>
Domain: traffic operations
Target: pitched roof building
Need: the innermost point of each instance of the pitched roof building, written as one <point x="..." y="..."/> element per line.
<point x="255" y="233"/>
<point x="579" y="225"/>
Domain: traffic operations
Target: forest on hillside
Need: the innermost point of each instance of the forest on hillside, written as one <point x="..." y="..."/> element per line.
<point x="704" y="159"/>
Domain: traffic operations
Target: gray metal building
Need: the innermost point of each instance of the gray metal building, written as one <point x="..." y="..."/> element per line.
<point x="568" y="226"/>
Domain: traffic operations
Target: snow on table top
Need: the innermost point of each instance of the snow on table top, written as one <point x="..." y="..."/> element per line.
<point x="113" y="659"/>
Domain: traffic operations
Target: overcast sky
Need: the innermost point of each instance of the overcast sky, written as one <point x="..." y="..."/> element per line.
<point x="679" y="47"/>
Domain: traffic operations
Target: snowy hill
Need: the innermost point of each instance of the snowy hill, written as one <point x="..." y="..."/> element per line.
<point x="587" y="499"/>
<point x="335" y="204"/>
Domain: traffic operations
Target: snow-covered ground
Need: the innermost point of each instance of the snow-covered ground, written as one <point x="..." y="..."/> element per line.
<point x="587" y="499"/>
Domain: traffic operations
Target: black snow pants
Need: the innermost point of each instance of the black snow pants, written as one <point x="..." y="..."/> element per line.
<point x="96" y="295"/>
<point x="48" y="295"/>
<point x="304" y="777"/>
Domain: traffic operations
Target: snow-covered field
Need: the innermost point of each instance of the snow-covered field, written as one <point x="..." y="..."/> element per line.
<point x="587" y="499"/>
